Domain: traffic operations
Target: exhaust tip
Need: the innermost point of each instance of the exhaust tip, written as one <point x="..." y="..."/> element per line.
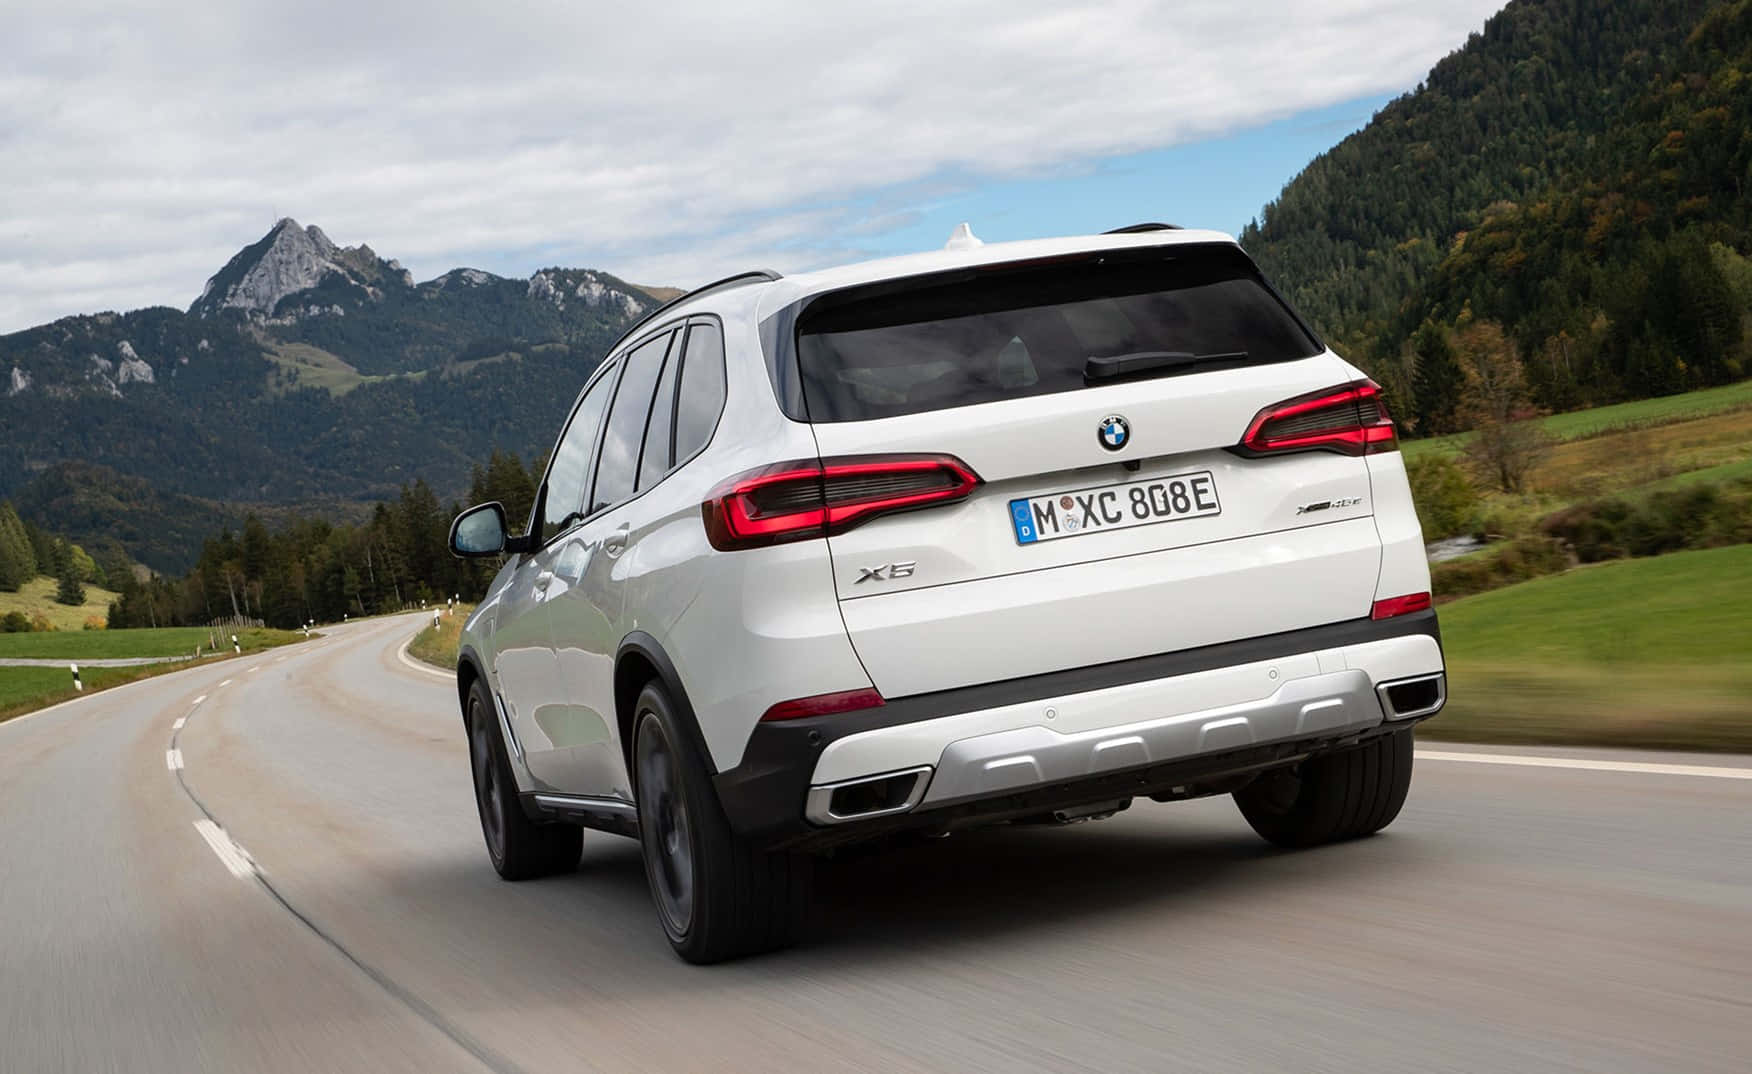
<point x="870" y="796"/>
<point x="1422" y="696"/>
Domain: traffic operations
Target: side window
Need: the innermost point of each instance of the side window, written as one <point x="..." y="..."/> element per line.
<point x="571" y="466"/>
<point x="702" y="389"/>
<point x="619" y="464"/>
<point x="654" y="457"/>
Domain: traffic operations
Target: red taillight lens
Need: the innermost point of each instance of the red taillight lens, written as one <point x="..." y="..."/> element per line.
<point x="1392" y="606"/>
<point x="798" y="500"/>
<point x="823" y="705"/>
<point x="1351" y="419"/>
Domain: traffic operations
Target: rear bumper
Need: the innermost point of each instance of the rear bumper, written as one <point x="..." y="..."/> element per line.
<point x="1152" y="725"/>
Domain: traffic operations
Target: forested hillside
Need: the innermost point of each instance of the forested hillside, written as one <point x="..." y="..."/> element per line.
<point x="307" y="379"/>
<point x="1577" y="173"/>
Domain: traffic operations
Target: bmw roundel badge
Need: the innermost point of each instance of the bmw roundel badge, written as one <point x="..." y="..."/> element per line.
<point x="1114" y="432"/>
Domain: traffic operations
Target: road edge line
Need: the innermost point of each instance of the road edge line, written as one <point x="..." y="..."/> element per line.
<point x="1646" y="768"/>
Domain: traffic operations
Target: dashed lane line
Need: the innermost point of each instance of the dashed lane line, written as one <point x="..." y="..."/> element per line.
<point x="226" y="848"/>
<point x="173" y="760"/>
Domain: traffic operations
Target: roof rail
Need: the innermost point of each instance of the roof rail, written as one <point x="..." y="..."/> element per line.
<point x="738" y="280"/>
<point x="1133" y="229"/>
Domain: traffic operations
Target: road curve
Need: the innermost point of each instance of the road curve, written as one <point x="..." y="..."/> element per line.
<point x="293" y="879"/>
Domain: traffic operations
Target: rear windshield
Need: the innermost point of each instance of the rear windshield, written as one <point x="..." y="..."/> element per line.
<point x="1007" y="332"/>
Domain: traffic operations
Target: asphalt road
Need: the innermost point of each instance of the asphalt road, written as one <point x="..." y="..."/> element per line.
<point x="1517" y="917"/>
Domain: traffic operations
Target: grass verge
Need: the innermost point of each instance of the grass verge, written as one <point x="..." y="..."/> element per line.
<point x="164" y="641"/>
<point x="438" y="645"/>
<point x="1651" y="653"/>
<point x="26" y="689"/>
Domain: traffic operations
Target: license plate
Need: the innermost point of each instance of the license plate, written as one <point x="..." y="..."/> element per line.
<point x="1115" y="507"/>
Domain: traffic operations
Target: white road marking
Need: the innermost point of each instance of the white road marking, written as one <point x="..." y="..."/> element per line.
<point x="198" y="700"/>
<point x="178" y="725"/>
<point x="227" y="682"/>
<point x="278" y="659"/>
<point x="173" y="760"/>
<point x="255" y="669"/>
<point x="402" y="655"/>
<point x="1585" y="764"/>
<point x="229" y="852"/>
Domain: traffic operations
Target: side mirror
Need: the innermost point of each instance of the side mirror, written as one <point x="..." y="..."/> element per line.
<point x="479" y="532"/>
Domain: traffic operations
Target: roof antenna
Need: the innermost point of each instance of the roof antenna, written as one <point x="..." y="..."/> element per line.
<point x="963" y="238"/>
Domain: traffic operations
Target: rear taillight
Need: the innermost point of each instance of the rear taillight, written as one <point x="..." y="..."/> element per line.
<point x="823" y="705"/>
<point x="1392" y="606"/>
<point x="1351" y="419"/>
<point x="818" y="498"/>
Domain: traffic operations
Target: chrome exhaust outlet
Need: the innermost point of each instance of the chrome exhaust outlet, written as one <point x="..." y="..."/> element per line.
<point x="1424" y="695"/>
<point x="867" y="796"/>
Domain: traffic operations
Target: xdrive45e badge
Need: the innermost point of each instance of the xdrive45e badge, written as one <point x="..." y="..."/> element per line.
<point x="1327" y="505"/>
<point x="1114" y="432"/>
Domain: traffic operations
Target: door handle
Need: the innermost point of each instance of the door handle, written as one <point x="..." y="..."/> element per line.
<point x="616" y="543"/>
<point x="542" y="580"/>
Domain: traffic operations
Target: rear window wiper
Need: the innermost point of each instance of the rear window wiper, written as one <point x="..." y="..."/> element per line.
<point x="1114" y="366"/>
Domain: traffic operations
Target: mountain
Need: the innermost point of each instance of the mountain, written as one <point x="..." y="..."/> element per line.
<point x="307" y="377"/>
<point x="1576" y="171"/>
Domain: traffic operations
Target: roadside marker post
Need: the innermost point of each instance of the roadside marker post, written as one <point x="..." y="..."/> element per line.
<point x="78" y="687"/>
<point x="235" y="647"/>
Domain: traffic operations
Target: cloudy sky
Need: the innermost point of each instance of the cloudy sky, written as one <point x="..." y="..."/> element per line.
<point x="144" y="143"/>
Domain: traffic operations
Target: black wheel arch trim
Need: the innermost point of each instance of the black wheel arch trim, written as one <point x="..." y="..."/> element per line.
<point x="652" y="652"/>
<point x="470" y="659"/>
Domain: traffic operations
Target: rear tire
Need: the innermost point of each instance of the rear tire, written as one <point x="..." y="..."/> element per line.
<point x="717" y="896"/>
<point x="520" y="848"/>
<point x="1331" y="797"/>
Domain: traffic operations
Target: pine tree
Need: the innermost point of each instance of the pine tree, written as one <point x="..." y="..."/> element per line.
<point x="1436" y="381"/>
<point x="70" y="590"/>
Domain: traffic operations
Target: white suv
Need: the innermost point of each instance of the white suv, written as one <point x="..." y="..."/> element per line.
<point x="999" y="533"/>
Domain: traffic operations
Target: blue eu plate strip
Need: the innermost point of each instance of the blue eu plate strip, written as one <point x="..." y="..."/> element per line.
<point x="1024" y="520"/>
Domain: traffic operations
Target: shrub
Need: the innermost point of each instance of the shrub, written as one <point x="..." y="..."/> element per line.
<point x="15" y="623"/>
<point x="39" y="624"/>
<point x="1447" y="503"/>
<point x="95" y="622"/>
<point x="1700" y="516"/>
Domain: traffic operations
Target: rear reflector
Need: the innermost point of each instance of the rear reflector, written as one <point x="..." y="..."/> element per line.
<point x="823" y="705"/>
<point x="1351" y="419"/>
<point x="818" y="498"/>
<point x="1392" y="606"/>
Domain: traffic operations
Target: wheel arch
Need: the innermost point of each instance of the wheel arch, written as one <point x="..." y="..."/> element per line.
<point x="641" y="660"/>
<point x="469" y="670"/>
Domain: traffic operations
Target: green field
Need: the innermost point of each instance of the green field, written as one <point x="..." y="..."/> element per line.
<point x="1642" y="413"/>
<point x="38" y="595"/>
<point x="165" y="641"/>
<point x="1649" y="652"/>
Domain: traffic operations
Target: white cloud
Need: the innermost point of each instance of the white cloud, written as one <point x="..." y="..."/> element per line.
<point x="144" y="144"/>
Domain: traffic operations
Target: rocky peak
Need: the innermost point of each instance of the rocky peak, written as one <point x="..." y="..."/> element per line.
<point x="290" y="259"/>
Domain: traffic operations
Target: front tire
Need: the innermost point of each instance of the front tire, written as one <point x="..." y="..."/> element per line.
<point x="717" y="896"/>
<point x="1334" y="796"/>
<point x="520" y="848"/>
